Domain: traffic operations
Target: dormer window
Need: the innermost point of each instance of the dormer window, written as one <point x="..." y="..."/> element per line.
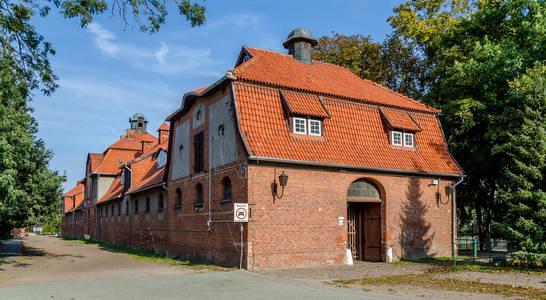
<point x="161" y="159"/>
<point x="406" y="139"/>
<point x="300" y="126"/>
<point x="396" y="138"/>
<point x="315" y="127"/>
<point x="409" y="140"/>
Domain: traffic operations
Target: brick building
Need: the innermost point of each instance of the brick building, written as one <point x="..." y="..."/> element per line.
<point x="325" y="160"/>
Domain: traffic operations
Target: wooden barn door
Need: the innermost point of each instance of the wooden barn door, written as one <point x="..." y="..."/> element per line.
<point x="372" y="231"/>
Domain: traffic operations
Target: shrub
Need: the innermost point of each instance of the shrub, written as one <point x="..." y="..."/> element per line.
<point x="527" y="259"/>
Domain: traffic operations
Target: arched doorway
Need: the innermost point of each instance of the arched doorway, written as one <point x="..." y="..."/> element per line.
<point x="364" y="220"/>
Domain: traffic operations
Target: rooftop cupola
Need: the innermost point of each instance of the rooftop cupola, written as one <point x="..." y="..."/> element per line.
<point x="300" y="45"/>
<point x="138" y="122"/>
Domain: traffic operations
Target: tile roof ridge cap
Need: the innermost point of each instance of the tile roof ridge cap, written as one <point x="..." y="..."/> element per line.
<point x="426" y="109"/>
<point x="267" y="51"/>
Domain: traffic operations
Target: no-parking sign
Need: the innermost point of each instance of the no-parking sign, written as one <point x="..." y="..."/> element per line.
<point x="240" y="212"/>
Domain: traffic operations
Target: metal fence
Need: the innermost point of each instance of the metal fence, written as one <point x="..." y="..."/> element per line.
<point x="470" y="247"/>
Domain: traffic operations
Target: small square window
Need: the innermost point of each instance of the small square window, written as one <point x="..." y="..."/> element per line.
<point x="408" y="140"/>
<point x="300" y="126"/>
<point x="397" y="138"/>
<point x="315" y="127"/>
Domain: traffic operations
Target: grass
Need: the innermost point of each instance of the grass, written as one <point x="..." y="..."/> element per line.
<point x="490" y="268"/>
<point x="466" y="264"/>
<point x="430" y="281"/>
<point x="155" y="257"/>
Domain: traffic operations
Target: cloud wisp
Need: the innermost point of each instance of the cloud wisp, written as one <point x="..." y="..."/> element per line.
<point x="162" y="59"/>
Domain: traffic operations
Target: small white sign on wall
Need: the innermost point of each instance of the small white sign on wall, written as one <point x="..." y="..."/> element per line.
<point x="240" y="212"/>
<point x="341" y="221"/>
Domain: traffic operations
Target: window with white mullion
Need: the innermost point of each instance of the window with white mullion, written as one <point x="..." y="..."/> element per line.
<point x="300" y="125"/>
<point x="315" y="127"/>
<point x="409" y="140"/>
<point x="396" y="138"/>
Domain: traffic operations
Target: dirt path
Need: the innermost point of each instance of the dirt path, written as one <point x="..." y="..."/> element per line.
<point x="49" y="259"/>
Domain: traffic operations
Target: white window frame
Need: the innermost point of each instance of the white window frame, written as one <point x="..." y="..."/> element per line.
<point x="412" y="140"/>
<point x="319" y="126"/>
<point x="393" y="140"/>
<point x="304" y="125"/>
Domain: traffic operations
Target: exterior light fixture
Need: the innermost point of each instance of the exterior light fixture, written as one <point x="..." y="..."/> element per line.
<point x="283" y="180"/>
<point x="449" y="189"/>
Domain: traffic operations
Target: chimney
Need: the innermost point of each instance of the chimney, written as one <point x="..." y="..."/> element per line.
<point x="162" y="133"/>
<point x="300" y="45"/>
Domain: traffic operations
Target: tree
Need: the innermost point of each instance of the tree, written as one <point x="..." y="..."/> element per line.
<point x="29" y="191"/>
<point x="523" y="187"/>
<point x="392" y="63"/>
<point x="470" y="82"/>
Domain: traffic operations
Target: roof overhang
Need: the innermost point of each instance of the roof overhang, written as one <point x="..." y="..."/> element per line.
<point x="189" y="98"/>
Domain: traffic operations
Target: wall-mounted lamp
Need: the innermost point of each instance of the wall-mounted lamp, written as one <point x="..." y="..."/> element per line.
<point x="449" y="189"/>
<point x="283" y="180"/>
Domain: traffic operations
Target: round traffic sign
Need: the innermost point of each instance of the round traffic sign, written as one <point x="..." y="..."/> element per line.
<point x="241" y="213"/>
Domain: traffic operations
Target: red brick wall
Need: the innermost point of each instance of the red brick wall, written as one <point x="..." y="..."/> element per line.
<point x="73" y="224"/>
<point x="302" y="227"/>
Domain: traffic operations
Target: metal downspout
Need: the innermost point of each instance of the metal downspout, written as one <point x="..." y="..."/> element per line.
<point x="454" y="214"/>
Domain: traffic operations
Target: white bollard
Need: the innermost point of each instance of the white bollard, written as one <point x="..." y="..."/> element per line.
<point x="388" y="254"/>
<point x="348" y="260"/>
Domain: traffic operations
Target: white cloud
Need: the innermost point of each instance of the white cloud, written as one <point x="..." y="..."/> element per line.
<point x="161" y="53"/>
<point x="164" y="59"/>
<point x="104" y="39"/>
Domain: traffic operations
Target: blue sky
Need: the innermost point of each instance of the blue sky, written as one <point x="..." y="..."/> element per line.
<point x="107" y="73"/>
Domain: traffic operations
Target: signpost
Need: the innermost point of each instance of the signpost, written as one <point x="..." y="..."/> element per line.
<point x="240" y="212"/>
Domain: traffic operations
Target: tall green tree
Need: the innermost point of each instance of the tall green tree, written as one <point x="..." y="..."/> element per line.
<point x="476" y="60"/>
<point x="29" y="191"/>
<point x="523" y="185"/>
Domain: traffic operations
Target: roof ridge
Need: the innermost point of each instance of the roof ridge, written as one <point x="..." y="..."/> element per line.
<point x="269" y="51"/>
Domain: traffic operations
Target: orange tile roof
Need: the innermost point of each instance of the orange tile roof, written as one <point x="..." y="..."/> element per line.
<point x="200" y="90"/>
<point x="354" y="135"/>
<point x="111" y="162"/>
<point x="304" y="104"/>
<point x="163" y="126"/>
<point x="127" y="148"/>
<point x="282" y="70"/>
<point x="144" y="174"/>
<point x="77" y="193"/>
<point x="132" y="140"/>
<point x="400" y="119"/>
<point x="96" y="158"/>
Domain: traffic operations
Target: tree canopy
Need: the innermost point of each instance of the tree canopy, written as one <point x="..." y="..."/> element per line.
<point x="30" y="193"/>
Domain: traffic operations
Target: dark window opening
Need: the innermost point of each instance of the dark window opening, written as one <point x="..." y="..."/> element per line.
<point x="119" y="209"/>
<point x="178" y="203"/>
<point x="199" y="192"/>
<point x="198" y="152"/>
<point x="160" y="202"/>
<point x="227" y="190"/>
<point x="112" y="210"/>
<point x="147" y="204"/>
<point x="136" y="206"/>
<point x="127" y="207"/>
